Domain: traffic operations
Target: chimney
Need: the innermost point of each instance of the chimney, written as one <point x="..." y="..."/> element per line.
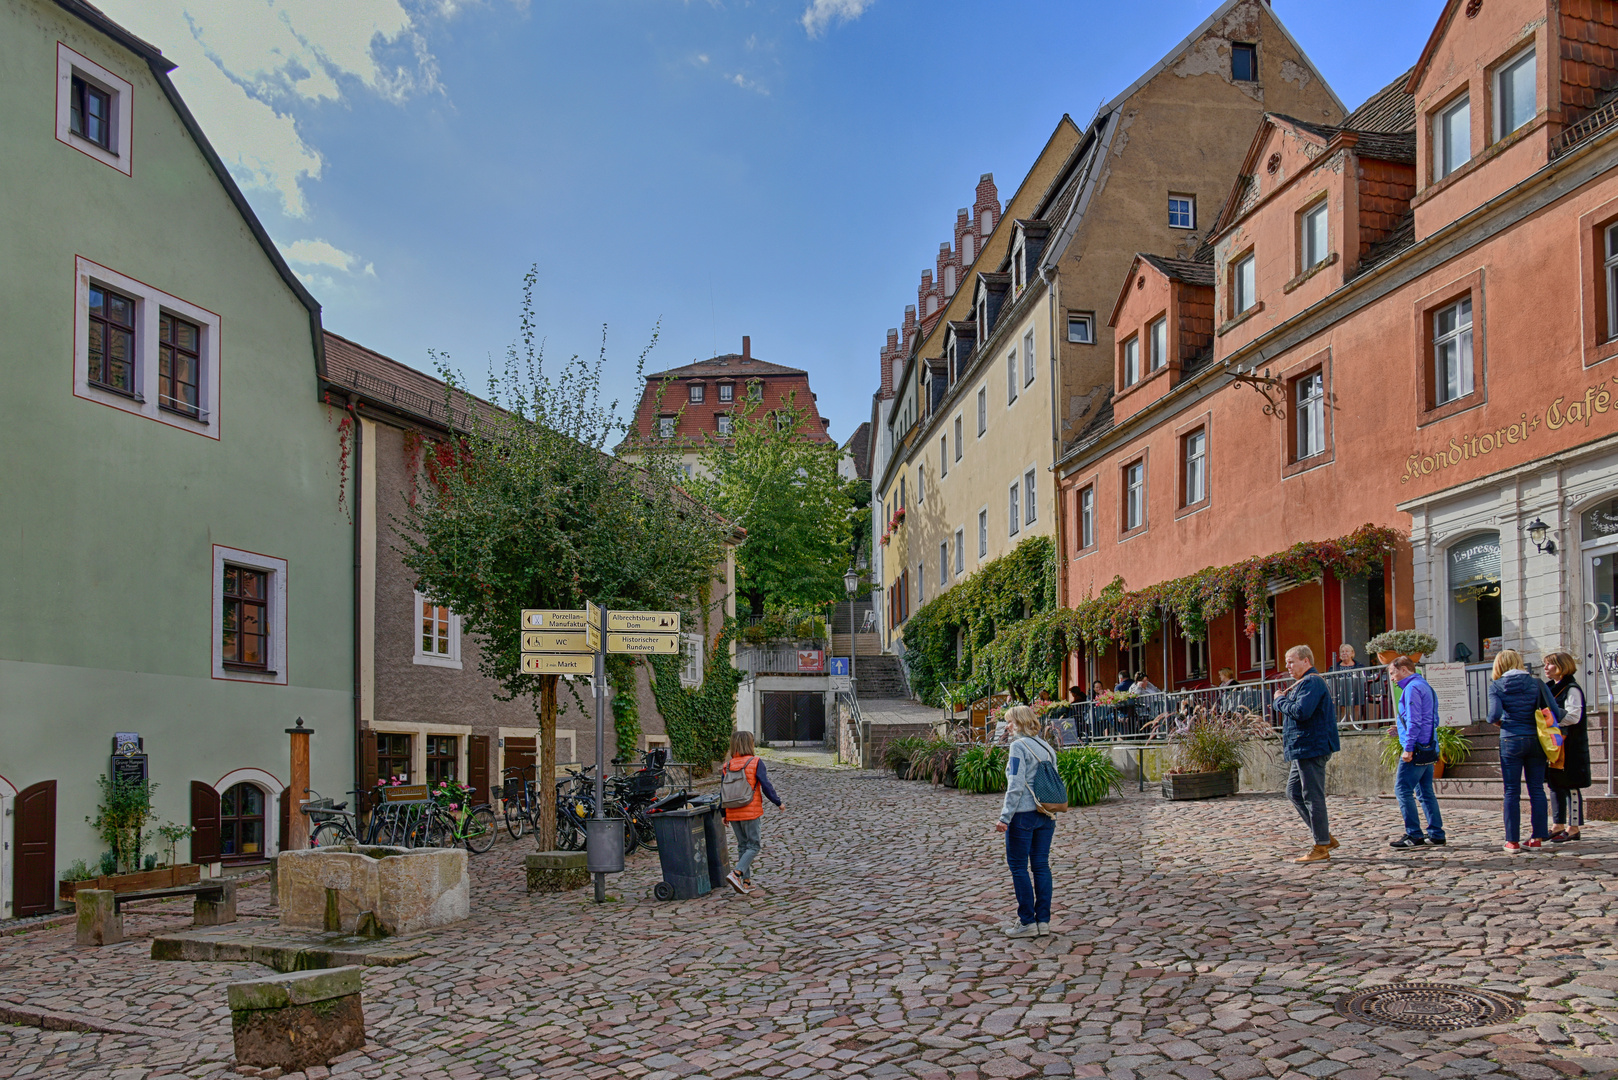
<point x="747" y="347"/>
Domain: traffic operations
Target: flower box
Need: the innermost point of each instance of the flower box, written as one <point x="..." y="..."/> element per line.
<point x="162" y="878"/>
<point x="1200" y="785"/>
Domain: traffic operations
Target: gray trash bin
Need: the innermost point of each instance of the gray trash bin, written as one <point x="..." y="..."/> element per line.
<point x="683" y="853"/>
<point x="713" y="826"/>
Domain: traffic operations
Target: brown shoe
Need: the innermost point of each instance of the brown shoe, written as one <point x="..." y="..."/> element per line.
<point x="1334" y="844"/>
<point x="1316" y="854"/>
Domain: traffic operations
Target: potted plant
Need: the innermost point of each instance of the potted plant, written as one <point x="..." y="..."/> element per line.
<point x="1089" y="773"/>
<point x="934" y="760"/>
<point x="1453" y="749"/>
<point x="1207" y="747"/>
<point x="1392" y="644"/>
<point x="896" y="755"/>
<point x="121" y="820"/>
<point x="981" y="769"/>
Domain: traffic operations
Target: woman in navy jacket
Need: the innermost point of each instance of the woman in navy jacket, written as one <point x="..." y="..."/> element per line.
<point x="1513" y="697"/>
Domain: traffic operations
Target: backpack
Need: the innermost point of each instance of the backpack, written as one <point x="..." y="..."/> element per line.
<point x="734" y="790"/>
<point x="1050" y="790"/>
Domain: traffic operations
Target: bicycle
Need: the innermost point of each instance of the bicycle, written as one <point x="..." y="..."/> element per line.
<point x="440" y="827"/>
<point x="521" y="802"/>
<point x="575" y="804"/>
<point x="331" y="822"/>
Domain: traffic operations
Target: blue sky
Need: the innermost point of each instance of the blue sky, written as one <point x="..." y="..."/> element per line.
<point x="783" y="170"/>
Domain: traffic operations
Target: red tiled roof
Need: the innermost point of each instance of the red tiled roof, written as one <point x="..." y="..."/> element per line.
<point x="667" y="393"/>
<point x="385" y="381"/>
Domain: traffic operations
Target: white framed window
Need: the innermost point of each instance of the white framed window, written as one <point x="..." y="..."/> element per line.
<point x="93" y="109"/>
<point x="1081" y="329"/>
<point x="1196" y="467"/>
<point x="1313" y="240"/>
<point x="983" y="410"/>
<point x="1011" y="377"/>
<point x="957" y="437"/>
<point x="1159" y="335"/>
<point x="1243" y="284"/>
<point x="983" y="532"/>
<point x="1196" y="659"/>
<point x="1087" y="518"/>
<point x="665" y="427"/>
<point x="1261" y="646"/>
<point x="1514" y="93"/>
<point x="1017" y="259"/>
<point x="1134" y="496"/>
<point x="691" y="657"/>
<point x="1014" y="519"/>
<point x="1132" y="361"/>
<point x="1610" y="268"/>
<point x="943" y="456"/>
<point x="249" y="616"/>
<point x="960" y="552"/>
<point x="1452" y="137"/>
<point x="921" y="483"/>
<point x="437" y="634"/>
<point x="727" y="424"/>
<point x="1028" y="358"/>
<point x="139" y="349"/>
<point x="755" y="391"/>
<point x="1452" y="352"/>
<point x="727" y="391"/>
<point x="1182" y="211"/>
<point x="698" y="391"/>
<point x="1310" y="399"/>
<point x="1030" y="502"/>
<point x="943" y="564"/>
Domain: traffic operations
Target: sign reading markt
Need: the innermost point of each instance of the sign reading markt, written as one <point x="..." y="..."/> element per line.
<point x="558" y="663"/>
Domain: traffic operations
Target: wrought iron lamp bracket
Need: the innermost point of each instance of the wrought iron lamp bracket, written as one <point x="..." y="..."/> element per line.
<point x="1266" y="385"/>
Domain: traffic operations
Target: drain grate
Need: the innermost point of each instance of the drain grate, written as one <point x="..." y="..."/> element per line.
<point x="1429" y="1006"/>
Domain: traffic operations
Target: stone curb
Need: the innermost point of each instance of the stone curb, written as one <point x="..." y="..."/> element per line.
<point x="59" y="1021"/>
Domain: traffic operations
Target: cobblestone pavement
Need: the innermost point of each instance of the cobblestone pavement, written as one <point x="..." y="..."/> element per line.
<point x="1186" y="946"/>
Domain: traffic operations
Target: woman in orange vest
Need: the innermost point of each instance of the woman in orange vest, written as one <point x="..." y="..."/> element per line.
<point x="745" y="820"/>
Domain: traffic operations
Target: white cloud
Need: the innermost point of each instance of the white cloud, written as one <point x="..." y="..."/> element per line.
<point x="321" y="253"/>
<point x="246" y="68"/>
<point x="821" y="13"/>
<point x="747" y="84"/>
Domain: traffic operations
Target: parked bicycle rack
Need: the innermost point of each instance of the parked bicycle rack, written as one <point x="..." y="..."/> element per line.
<point x="402" y="808"/>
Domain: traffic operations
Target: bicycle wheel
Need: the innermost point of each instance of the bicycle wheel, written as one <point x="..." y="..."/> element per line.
<point x="631" y="837"/>
<point x="569" y="834"/>
<point x="329" y="834"/>
<point x="516" y="818"/>
<point x="643" y="830"/>
<point x="478" y="830"/>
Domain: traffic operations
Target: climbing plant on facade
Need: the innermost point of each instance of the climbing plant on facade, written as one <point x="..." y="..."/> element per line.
<point x="699" y="719"/>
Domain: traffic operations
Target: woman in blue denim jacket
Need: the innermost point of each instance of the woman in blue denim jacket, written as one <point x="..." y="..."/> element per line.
<point x="1028" y="830"/>
<point x="1514" y="695"/>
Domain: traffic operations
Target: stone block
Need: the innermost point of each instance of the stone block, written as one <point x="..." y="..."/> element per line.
<point x="373" y="890"/>
<point x="275" y="881"/>
<point x="1600" y="808"/>
<point x="297" y="1021"/>
<point x="556" y="871"/>
<point x="207" y="911"/>
<point x="99" y="920"/>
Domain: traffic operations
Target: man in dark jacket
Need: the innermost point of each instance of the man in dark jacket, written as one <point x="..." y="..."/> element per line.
<point x="1308" y="740"/>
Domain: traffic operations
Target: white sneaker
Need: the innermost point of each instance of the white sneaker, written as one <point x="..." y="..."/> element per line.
<point x="1023" y="930"/>
<point x="1044" y="929"/>
<point x="735" y="881"/>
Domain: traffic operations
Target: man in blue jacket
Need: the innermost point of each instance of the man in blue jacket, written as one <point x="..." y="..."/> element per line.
<point x="1308" y="740"/>
<point x="1417" y="725"/>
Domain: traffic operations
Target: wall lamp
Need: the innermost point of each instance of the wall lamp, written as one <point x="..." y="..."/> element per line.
<point x="1537" y="532"/>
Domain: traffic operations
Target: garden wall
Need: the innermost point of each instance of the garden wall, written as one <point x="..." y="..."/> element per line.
<point x="1356" y="769"/>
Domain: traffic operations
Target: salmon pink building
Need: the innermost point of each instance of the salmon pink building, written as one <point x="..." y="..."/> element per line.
<point x="1407" y="320"/>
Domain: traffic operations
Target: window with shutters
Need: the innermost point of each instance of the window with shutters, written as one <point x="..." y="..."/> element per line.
<point x="443" y="759"/>
<point x="393" y="760"/>
<point x="438" y="634"/>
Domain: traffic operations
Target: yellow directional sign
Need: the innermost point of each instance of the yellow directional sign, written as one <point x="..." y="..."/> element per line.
<point x="644" y="622"/>
<point x="558" y="664"/>
<point x="646" y="644"/>
<point x="592" y="635"/>
<point x="552" y="620"/>
<point x="576" y="641"/>
<point x="592" y="614"/>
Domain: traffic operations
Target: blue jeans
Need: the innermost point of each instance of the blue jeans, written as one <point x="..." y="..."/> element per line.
<point x="748" y="835"/>
<point x="1028" y="843"/>
<point x="1520" y="754"/>
<point x="1413" y="782"/>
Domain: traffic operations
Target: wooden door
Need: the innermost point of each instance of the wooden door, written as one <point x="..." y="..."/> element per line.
<point x="808" y="718"/>
<point x="34" y="838"/>
<point x="521" y="753"/>
<point x="204" y="823"/>
<point x="778" y="716"/>
<point x="285" y="841"/>
<point x="477" y="768"/>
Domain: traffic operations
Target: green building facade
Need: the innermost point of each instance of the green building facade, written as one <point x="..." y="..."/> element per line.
<point x="174" y="559"/>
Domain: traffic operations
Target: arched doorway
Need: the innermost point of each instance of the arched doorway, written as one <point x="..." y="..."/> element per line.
<point x="242" y="823"/>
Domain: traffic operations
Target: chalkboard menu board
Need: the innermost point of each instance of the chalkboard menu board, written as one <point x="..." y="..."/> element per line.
<point x="130" y="768"/>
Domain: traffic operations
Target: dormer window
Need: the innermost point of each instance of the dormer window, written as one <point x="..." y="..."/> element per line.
<point x="1243" y="286"/>
<point x="1159" y="333"/>
<point x="1132" y="361"/>
<point x="983" y="316"/>
<point x="1016" y="268"/>
<point x="665" y="427"/>
<point x="1514" y="93"/>
<point x="727" y="425"/>
<point x="727" y="391"/>
<point x="755" y="391"/>
<point x="698" y="392"/>
<point x="1313" y="241"/>
<point x="1452" y="137"/>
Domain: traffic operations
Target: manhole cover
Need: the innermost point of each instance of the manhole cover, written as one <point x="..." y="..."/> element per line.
<point x="1428" y="1006"/>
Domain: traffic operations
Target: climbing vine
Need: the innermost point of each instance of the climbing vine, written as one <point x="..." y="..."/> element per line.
<point x="999" y="649"/>
<point x="625" y="706"/>
<point x="699" y="719"/>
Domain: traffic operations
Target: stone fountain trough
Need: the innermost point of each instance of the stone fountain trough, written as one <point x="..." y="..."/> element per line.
<point x="373" y="891"/>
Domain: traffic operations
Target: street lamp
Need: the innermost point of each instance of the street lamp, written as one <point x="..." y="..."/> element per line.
<point x="1536" y="532"/>
<point x="851" y="582"/>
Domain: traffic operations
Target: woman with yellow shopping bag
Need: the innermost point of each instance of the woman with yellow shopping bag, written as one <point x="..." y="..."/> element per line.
<point x="1515" y="697"/>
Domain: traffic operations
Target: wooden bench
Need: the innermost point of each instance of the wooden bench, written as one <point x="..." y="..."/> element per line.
<point x="100" y="911"/>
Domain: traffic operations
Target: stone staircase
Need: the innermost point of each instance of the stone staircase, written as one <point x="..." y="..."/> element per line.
<point x="1477" y="781"/>
<point x="879" y="677"/>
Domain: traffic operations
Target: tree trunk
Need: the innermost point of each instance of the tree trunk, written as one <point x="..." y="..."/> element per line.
<point x="545" y="767"/>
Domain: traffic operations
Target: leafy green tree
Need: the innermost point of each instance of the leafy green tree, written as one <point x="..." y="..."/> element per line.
<point x="785" y="491"/>
<point x="524" y="508"/>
